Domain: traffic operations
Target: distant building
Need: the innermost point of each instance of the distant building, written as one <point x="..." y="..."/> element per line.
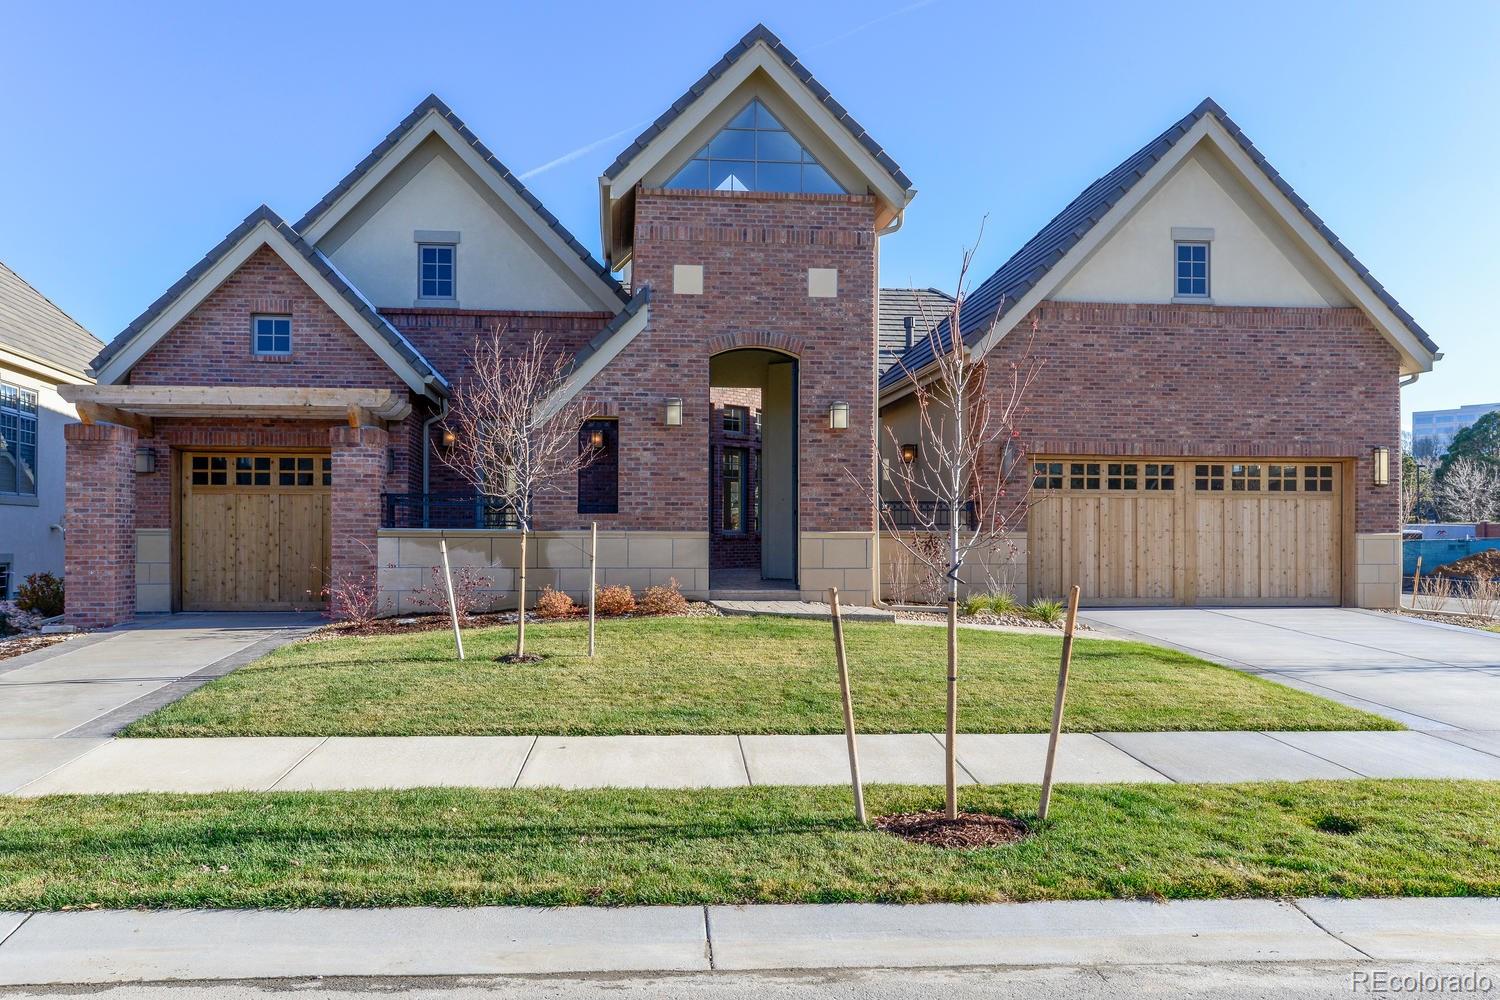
<point x="1433" y="430"/>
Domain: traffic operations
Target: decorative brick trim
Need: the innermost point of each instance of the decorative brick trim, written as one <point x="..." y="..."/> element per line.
<point x="271" y="304"/>
<point x="833" y="199"/>
<point x="754" y="235"/>
<point x="783" y="342"/>
<point x="271" y="359"/>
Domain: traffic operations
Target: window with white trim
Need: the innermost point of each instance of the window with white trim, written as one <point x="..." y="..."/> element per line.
<point x="1192" y="269"/>
<point x="18" y="427"/>
<point x="438" y="263"/>
<point x="272" y="335"/>
<point x="5" y="574"/>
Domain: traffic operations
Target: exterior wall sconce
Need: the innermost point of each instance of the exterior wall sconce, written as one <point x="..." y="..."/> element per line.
<point x="449" y="439"/>
<point x="1382" y="461"/>
<point x="145" y="460"/>
<point x="674" y="411"/>
<point x="596" y="439"/>
<point x="908" y="453"/>
<point x="838" y="416"/>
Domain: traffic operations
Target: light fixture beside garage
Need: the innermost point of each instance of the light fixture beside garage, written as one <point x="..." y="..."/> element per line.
<point x="908" y="453"/>
<point x="596" y="438"/>
<point x="674" y="411"/>
<point x="449" y="439"/>
<point x="1382" y="460"/>
<point x="838" y="416"/>
<point x="145" y="460"/>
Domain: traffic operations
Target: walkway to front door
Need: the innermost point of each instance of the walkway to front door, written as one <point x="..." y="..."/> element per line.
<point x="1424" y="674"/>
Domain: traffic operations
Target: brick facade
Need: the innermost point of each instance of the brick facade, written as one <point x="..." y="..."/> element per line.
<point x="359" y="461"/>
<point x="755" y="250"/>
<point x="99" y="542"/>
<point x="1210" y="381"/>
<point x="740" y="549"/>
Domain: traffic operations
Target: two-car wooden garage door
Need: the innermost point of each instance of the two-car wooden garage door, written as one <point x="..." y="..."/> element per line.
<point x="254" y="530"/>
<point x="1187" y="531"/>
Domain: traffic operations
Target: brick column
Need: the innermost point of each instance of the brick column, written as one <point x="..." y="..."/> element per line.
<point x="99" y="518"/>
<point x="359" y="459"/>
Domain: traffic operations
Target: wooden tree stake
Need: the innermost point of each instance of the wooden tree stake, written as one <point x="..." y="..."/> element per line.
<point x="951" y="769"/>
<point x="521" y="601"/>
<point x="1059" y="701"/>
<point x="593" y="570"/>
<point x="1416" y="583"/>
<point x="849" y="738"/>
<point x="458" y="639"/>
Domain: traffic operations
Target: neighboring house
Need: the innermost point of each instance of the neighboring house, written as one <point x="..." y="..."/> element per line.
<point x="1433" y="430"/>
<point x="41" y="347"/>
<point x="288" y="392"/>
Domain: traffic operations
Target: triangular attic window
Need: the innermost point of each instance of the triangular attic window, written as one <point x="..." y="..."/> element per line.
<point x="755" y="152"/>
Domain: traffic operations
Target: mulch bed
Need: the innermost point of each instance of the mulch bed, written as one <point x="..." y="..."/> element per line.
<point x="28" y="643"/>
<point x="412" y="624"/>
<point x="969" y="831"/>
<point x="987" y="618"/>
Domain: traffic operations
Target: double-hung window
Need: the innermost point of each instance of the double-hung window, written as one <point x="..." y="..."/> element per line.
<point x="733" y="479"/>
<point x="1192" y="270"/>
<point x="18" y="425"/>
<point x="272" y="335"/>
<point x="437" y="263"/>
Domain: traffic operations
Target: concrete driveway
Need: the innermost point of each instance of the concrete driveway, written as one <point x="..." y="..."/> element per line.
<point x="58" y="703"/>
<point x="1423" y="674"/>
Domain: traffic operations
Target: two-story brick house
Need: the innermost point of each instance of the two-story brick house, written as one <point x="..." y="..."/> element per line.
<point x="275" y="420"/>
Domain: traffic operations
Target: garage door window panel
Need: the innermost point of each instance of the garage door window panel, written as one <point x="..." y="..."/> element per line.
<point x="1048" y="476"/>
<point x="1084" y="475"/>
<point x="1208" y="478"/>
<point x="1244" y="478"/>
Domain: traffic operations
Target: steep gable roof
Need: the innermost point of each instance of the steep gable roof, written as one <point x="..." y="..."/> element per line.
<point x="1036" y="262"/>
<point x="321" y="216"/>
<point x="32" y="327"/>
<point x="263" y="227"/>
<point x="760" y="33"/>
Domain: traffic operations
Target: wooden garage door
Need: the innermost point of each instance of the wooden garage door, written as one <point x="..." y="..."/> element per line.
<point x="1187" y="531"/>
<point x="255" y="533"/>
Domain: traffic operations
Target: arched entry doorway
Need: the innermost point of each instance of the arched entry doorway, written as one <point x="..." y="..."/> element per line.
<point x="752" y="460"/>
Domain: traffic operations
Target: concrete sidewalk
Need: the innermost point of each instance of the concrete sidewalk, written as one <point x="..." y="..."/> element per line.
<point x="131" y="946"/>
<point x="32" y="767"/>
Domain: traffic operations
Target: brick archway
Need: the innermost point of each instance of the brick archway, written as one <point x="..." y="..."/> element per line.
<point x="783" y="343"/>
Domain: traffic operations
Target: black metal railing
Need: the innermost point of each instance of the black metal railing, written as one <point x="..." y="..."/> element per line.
<point x="444" y="510"/>
<point x="904" y="516"/>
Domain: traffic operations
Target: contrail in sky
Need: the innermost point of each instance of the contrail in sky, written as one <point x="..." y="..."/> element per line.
<point x="574" y="154"/>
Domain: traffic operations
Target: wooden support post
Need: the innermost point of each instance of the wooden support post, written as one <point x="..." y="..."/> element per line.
<point x="849" y="737"/>
<point x="521" y="599"/>
<point x="593" y="577"/>
<point x="458" y="639"/>
<point x="1416" y="586"/>
<point x="1059" y="701"/>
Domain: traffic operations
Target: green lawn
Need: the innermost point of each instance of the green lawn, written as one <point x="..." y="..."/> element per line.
<point x="726" y="675"/>
<point x="748" y="845"/>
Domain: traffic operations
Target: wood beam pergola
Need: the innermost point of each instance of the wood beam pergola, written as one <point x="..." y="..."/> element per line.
<point x="137" y="405"/>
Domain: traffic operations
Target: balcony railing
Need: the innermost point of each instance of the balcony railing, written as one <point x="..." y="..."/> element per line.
<point x="444" y="510"/>
<point x="926" y="513"/>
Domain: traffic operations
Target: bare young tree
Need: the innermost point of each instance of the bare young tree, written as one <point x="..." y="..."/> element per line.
<point x="967" y="488"/>
<point x="1468" y="491"/>
<point x="516" y="436"/>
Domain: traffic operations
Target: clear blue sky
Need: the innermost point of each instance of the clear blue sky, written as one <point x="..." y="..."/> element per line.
<point x="138" y="135"/>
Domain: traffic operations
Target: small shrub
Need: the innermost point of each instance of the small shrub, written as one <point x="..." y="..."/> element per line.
<point x="41" y="594"/>
<point x="1480" y="600"/>
<point x="469" y="592"/>
<point x="666" y="600"/>
<point x="555" y="604"/>
<point x="354" y="599"/>
<point x="614" y="601"/>
<point x="1003" y="602"/>
<point x="976" y="604"/>
<point x="1045" y="610"/>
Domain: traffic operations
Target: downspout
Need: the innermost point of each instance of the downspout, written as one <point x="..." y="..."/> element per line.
<point x="1404" y="382"/>
<point x="427" y="455"/>
<point x="878" y="599"/>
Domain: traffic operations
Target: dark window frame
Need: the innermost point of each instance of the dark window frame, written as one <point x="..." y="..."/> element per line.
<point x="741" y="490"/>
<point x="599" y="481"/>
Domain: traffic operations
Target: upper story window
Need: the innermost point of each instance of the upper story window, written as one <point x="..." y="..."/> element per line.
<point x="736" y="419"/>
<point x="18" y="416"/>
<point x="755" y="152"/>
<point x="437" y="270"/>
<point x="1192" y="270"/>
<point x="272" y="335"/>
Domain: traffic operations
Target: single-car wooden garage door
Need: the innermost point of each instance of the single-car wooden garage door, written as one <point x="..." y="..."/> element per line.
<point x="254" y="530"/>
<point x="1187" y="531"/>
